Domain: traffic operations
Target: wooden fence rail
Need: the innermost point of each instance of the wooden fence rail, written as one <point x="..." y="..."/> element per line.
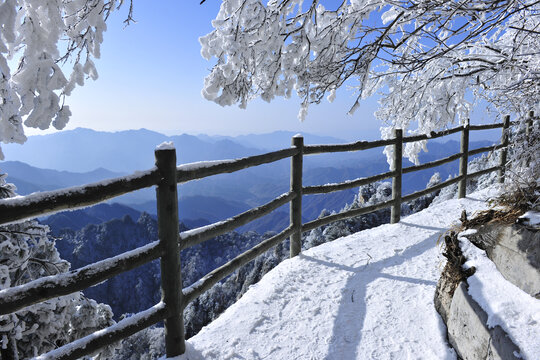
<point x="116" y="332"/>
<point x="48" y="287"/>
<point x="196" y="236"/>
<point x="204" y="169"/>
<point x="165" y="176"/>
<point x="210" y="279"/>
<point x="328" y="188"/>
<point x="36" y="204"/>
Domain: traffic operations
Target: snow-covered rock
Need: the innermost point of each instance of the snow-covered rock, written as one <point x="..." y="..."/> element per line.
<point x="486" y="292"/>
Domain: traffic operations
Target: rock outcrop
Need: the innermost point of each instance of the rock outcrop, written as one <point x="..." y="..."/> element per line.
<point x="515" y="250"/>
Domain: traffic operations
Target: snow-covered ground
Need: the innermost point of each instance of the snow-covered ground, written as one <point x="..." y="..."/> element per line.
<point x="364" y="296"/>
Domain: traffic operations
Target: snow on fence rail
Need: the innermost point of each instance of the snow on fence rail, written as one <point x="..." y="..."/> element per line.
<point x="36" y="204"/>
<point x="48" y="287"/>
<point x="196" y="236"/>
<point x="166" y="175"/>
<point x="208" y="168"/>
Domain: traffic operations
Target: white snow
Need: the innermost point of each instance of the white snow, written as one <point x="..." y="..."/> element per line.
<point x="166" y="145"/>
<point x="531" y="218"/>
<point x="203" y="164"/>
<point x="193" y="232"/>
<point x="506" y="305"/>
<point x="389" y="15"/>
<point x="364" y="296"/>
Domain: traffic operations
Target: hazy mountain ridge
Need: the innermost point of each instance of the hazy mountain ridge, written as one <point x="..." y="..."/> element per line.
<point x="132" y="150"/>
<point x="274" y="140"/>
<point x="217" y="197"/>
<point x="30" y="179"/>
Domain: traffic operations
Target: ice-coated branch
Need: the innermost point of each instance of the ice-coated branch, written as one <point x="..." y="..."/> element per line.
<point x="432" y="61"/>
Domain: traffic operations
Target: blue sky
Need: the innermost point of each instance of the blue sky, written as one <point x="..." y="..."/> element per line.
<point x="151" y="75"/>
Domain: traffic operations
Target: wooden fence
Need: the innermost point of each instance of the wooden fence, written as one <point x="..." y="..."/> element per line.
<point x="166" y="175"/>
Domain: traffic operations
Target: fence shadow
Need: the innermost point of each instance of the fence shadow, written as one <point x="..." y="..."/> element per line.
<point x="422" y="226"/>
<point x="352" y="310"/>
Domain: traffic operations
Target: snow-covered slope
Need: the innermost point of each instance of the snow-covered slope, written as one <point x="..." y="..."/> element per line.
<point x="365" y="296"/>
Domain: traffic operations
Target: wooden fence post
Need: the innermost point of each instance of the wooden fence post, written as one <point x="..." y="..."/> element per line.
<point x="168" y="232"/>
<point x="462" y="185"/>
<point x="395" y="212"/>
<point x="504" y="142"/>
<point x="529" y="124"/>
<point x="296" y="203"/>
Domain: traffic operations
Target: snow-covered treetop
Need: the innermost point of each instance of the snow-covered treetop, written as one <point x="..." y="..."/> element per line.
<point x="38" y="37"/>
<point x="431" y="60"/>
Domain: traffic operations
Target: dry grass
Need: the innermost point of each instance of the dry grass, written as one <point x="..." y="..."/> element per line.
<point x="509" y="206"/>
<point x="523" y="196"/>
<point x="490" y="216"/>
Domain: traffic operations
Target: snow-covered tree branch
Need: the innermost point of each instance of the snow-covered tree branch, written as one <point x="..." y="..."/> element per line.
<point x="431" y="61"/>
<point x="46" y="49"/>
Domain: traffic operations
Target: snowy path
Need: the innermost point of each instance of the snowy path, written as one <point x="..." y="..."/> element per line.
<point x="365" y="296"/>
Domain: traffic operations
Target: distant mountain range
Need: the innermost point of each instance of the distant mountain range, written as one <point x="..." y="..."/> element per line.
<point x="272" y="141"/>
<point x="83" y="156"/>
<point x="84" y="150"/>
<point x="31" y="179"/>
